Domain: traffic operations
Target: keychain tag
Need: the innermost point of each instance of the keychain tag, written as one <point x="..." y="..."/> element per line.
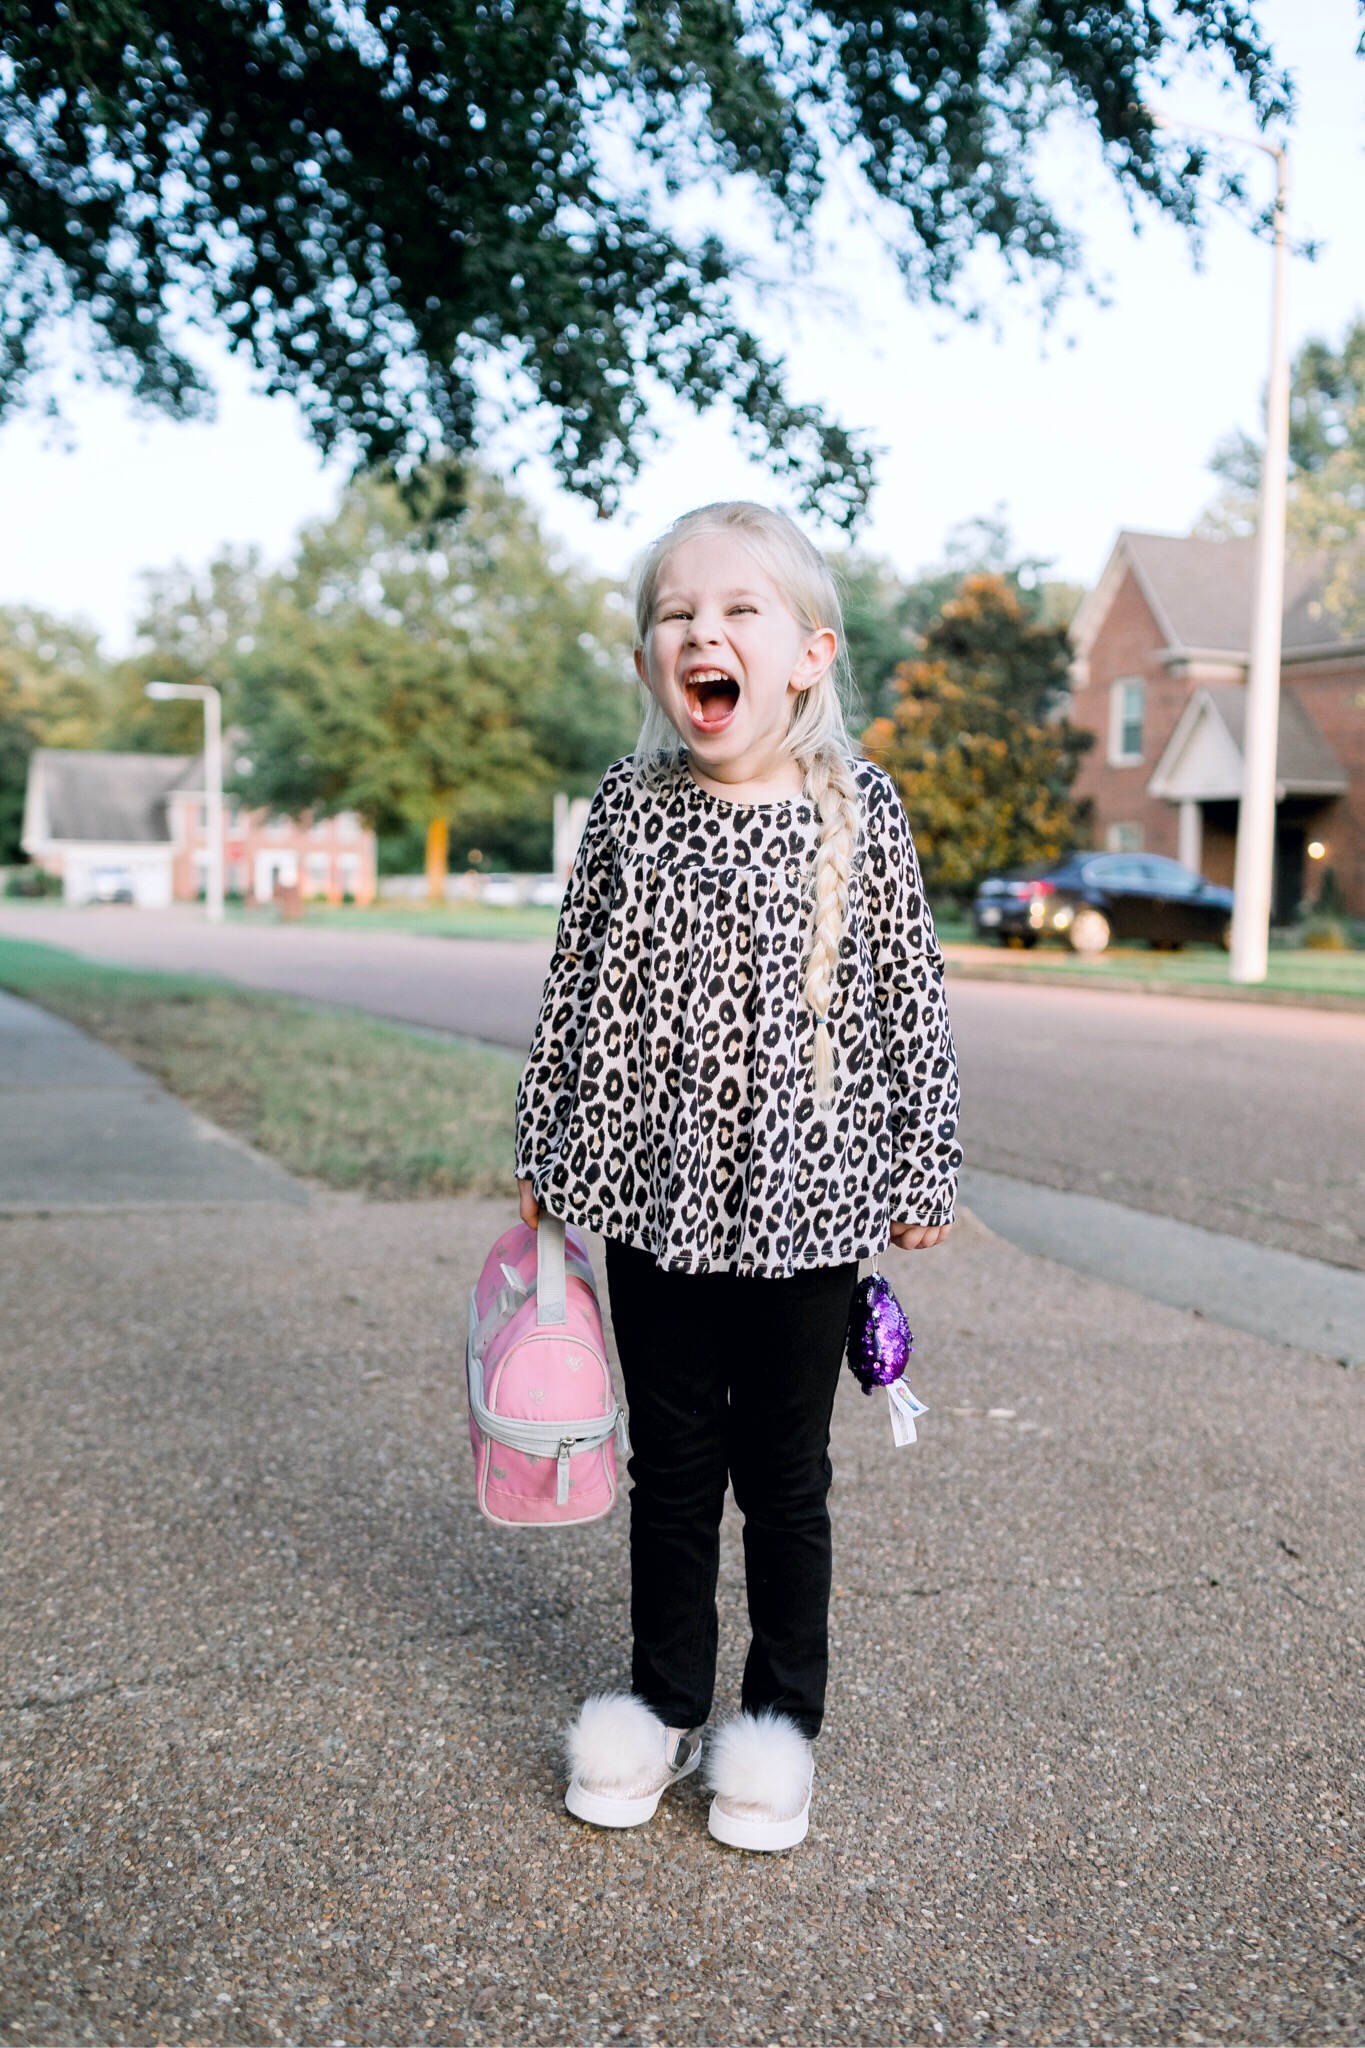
<point x="904" y="1408"/>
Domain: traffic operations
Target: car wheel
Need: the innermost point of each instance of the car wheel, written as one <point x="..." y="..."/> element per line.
<point x="1089" y="931"/>
<point x="1225" y="935"/>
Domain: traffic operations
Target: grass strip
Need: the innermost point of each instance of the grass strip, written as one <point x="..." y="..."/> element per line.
<point x="1303" y="973"/>
<point x="337" y="1098"/>
<point x="453" y="921"/>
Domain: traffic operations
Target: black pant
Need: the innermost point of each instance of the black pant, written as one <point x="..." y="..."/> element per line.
<point x="729" y="1377"/>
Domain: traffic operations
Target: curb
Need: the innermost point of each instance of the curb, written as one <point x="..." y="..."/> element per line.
<point x="1149" y="985"/>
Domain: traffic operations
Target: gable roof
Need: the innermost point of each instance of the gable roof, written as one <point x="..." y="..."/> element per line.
<point x="1202" y="760"/>
<point x="1200" y="594"/>
<point x="115" y="799"/>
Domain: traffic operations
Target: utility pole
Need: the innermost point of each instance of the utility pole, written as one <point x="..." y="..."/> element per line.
<point x="205" y="693"/>
<point x="1253" y="876"/>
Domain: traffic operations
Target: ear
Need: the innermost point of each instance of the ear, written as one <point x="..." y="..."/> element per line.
<point x="815" y="660"/>
<point x="640" y="664"/>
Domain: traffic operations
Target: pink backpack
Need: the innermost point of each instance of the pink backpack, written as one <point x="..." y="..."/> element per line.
<point x="543" y="1418"/>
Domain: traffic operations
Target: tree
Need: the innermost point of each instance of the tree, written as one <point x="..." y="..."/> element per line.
<point x="53" y="693"/>
<point x="1326" y="514"/>
<point x="441" y="675"/>
<point x="881" y="626"/>
<point x="886" y="618"/>
<point x="194" y="627"/>
<point x="380" y="205"/>
<point x="979" y="751"/>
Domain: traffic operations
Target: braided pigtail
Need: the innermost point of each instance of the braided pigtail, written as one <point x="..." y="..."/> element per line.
<point x="833" y="789"/>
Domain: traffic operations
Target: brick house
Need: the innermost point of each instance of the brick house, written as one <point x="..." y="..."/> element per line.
<point x="1161" y="649"/>
<point x="131" y="826"/>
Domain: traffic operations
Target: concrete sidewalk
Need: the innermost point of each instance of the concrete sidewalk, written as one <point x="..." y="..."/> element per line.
<point x="81" y="1128"/>
<point x="1274" y="1294"/>
<point x="278" y="1737"/>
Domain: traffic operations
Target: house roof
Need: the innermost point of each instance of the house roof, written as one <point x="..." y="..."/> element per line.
<point x="117" y="799"/>
<point x="1202" y="760"/>
<point x="1200" y="594"/>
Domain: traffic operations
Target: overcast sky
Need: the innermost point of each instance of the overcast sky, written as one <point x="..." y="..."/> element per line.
<point x="1104" y="419"/>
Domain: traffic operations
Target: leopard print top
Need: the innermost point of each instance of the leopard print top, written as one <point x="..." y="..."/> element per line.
<point x="669" y="1099"/>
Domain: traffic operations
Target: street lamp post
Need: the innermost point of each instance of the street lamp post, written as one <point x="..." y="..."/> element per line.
<point x="1254" y="873"/>
<point x="207" y="695"/>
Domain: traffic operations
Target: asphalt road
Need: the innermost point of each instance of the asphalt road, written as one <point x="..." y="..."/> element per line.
<point x="278" y="1713"/>
<point x="481" y="988"/>
<point x="1242" y="1118"/>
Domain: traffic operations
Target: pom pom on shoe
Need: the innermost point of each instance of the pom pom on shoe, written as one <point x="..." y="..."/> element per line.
<point x="615" y="1744"/>
<point x="761" y="1763"/>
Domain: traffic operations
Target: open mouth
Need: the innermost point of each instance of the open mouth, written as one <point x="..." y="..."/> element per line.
<point x="712" y="698"/>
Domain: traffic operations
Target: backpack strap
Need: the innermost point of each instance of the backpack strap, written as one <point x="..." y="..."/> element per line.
<point x="514" y="1292"/>
<point x="551" y="1278"/>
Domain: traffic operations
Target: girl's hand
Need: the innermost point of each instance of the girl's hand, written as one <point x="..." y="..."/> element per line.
<point x="919" y="1237"/>
<point x="530" y="1207"/>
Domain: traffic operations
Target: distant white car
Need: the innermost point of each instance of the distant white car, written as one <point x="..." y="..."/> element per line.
<point x="111" y="885"/>
<point x="502" y="891"/>
<point x="547" y="890"/>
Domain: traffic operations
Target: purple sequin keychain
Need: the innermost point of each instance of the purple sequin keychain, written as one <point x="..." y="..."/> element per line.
<point x="879" y="1339"/>
<point x="879" y="1347"/>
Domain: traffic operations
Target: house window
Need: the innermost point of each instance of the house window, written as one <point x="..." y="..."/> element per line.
<point x="1125" y="838"/>
<point x="348" y="825"/>
<point x="318" y="870"/>
<point x="348" y="873"/>
<point x="1127" y="704"/>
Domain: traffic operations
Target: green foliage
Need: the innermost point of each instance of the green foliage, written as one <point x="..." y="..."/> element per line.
<point x="53" y="693"/>
<point x="193" y="628"/>
<point x="32" y="883"/>
<point x="1326" y="416"/>
<point x="404" y="665"/>
<point x="887" y="619"/>
<point x="377" y="204"/>
<point x="983" y="763"/>
<point x="415" y="671"/>
<point x="1326" y="515"/>
<point x="881" y="626"/>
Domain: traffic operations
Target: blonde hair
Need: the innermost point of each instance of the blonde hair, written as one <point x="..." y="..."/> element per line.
<point x="816" y="738"/>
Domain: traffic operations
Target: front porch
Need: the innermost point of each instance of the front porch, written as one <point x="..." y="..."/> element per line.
<point x="1200" y="772"/>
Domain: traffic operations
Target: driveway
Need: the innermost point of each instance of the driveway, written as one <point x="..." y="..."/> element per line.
<point x="280" y="1716"/>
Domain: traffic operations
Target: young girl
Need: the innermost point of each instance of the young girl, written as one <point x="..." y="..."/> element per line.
<point x="744" y="1079"/>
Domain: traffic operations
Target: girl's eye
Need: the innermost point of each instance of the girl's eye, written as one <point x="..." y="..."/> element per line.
<point x="743" y="608"/>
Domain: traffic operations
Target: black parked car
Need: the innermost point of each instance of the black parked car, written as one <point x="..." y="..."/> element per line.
<point x="1090" y="898"/>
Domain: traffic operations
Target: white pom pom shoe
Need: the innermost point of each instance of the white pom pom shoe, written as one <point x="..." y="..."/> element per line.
<point x="760" y="1768"/>
<point x="622" y="1759"/>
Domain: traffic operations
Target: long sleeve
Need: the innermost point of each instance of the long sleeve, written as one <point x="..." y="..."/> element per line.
<point x="546" y="1090"/>
<point x="913" y="1015"/>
